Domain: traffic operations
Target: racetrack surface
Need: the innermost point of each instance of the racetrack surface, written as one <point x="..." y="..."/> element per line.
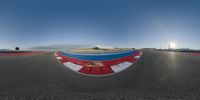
<point x="157" y="75"/>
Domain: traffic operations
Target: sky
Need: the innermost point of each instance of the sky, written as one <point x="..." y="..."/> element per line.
<point x="116" y="23"/>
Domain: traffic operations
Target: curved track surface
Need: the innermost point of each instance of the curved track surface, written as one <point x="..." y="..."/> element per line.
<point x="158" y="75"/>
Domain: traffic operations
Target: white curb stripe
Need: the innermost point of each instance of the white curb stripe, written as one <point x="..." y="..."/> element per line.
<point x="59" y="57"/>
<point x="125" y="65"/>
<point x="137" y="57"/>
<point x="128" y="63"/>
<point x="73" y="66"/>
<point x="116" y="68"/>
<point x="121" y="66"/>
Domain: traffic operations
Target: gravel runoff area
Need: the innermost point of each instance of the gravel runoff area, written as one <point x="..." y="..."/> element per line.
<point x="157" y="76"/>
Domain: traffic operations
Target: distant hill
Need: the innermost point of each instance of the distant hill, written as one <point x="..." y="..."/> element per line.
<point x="5" y="50"/>
<point x="59" y="47"/>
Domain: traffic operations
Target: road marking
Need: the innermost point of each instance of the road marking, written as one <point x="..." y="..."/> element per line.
<point x="137" y="57"/>
<point x="73" y="66"/>
<point x="116" y="68"/>
<point x="124" y="65"/>
<point x="59" y="58"/>
<point x="121" y="66"/>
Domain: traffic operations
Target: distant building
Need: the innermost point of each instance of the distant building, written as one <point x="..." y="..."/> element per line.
<point x="17" y="48"/>
<point x="185" y="48"/>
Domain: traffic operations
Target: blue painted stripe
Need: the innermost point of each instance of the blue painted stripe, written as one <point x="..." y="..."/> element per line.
<point x="97" y="57"/>
<point x="89" y="53"/>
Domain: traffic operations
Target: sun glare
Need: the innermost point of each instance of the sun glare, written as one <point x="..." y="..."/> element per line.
<point x="172" y="45"/>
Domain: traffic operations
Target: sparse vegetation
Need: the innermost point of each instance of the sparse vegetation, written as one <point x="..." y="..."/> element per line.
<point x="98" y="50"/>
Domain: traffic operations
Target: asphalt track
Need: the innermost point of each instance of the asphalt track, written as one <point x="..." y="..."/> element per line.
<point x="157" y="76"/>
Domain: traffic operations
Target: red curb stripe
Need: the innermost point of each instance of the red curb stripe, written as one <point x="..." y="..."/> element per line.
<point x="95" y="71"/>
<point x="85" y="70"/>
<point x="106" y="70"/>
<point x="195" y="54"/>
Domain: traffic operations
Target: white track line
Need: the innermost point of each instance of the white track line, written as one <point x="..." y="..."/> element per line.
<point x="121" y="66"/>
<point x="73" y="66"/>
<point x="116" y="68"/>
<point x="59" y="58"/>
<point x="125" y="65"/>
<point x="137" y="57"/>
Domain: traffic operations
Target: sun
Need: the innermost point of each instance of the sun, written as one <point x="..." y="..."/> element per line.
<point x="172" y="45"/>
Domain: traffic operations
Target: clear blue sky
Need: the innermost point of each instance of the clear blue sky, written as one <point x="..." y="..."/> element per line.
<point x="117" y="23"/>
